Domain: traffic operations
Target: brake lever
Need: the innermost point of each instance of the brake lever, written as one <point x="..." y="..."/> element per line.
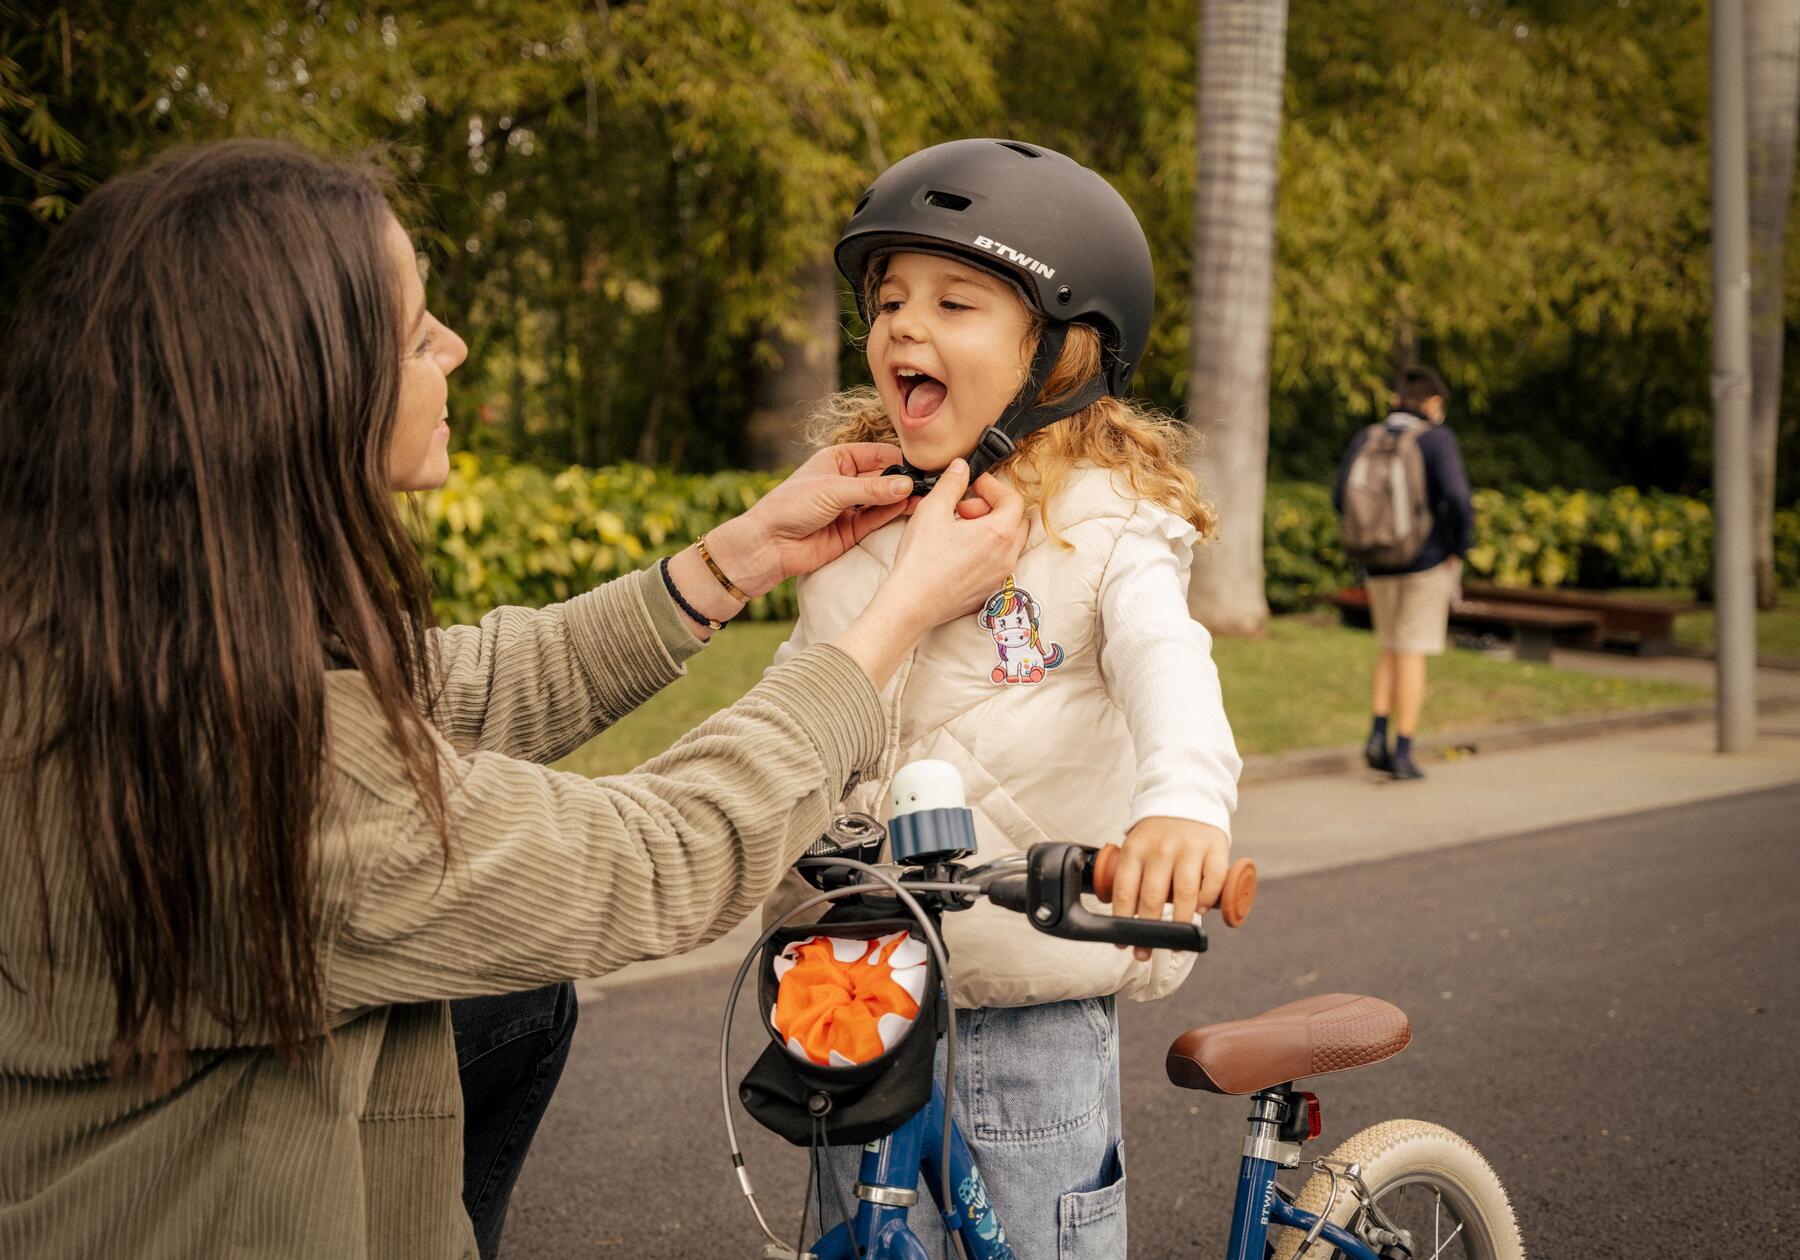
<point x="1051" y="899"/>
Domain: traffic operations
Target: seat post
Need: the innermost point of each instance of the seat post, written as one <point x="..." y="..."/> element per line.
<point x="1266" y="1114"/>
<point x="1270" y="1110"/>
<point x="1265" y="1154"/>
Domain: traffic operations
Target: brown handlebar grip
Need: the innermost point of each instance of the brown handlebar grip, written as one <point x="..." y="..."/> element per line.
<point x="1106" y="865"/>
<point x="1239" y="892"/>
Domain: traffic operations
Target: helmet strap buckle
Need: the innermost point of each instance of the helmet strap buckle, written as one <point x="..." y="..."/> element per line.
<point x="990" y="451"/>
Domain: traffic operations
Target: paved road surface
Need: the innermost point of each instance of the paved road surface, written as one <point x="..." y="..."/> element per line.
<point x="1608" y="1010"/>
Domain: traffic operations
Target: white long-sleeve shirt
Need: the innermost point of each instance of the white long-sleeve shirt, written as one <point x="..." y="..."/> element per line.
<point x="1157" y="664"/>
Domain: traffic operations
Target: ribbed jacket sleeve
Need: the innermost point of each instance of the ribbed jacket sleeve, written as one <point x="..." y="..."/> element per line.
<point x="537" y="683"/>
<point x="554" y="875"/>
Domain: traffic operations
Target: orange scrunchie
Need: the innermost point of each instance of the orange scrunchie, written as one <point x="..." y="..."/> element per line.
<point x="831" y="1001"/>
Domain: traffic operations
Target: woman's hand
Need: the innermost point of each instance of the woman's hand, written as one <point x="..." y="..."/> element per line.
<point x="1170" y="860"/>
<point x="946" y="566"/>
<point x="825" y="507"/>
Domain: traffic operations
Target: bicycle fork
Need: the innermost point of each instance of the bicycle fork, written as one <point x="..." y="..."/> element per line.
<point x="887" y="1186"/>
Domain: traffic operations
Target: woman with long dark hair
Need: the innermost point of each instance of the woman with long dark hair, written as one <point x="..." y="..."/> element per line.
<point x="260" y="821"/>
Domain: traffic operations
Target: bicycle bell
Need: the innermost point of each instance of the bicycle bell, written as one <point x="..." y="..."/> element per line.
<point x="928" y="819"/>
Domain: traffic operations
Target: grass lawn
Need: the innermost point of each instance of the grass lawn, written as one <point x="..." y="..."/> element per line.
<point x="1305" y="686"/>
<point x="1777" y="629"/>
<point x="731" y="665"/>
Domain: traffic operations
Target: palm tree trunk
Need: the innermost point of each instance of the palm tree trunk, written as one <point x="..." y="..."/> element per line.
<point x="805" y="370"/>
<point x="1772" y="99"/>
<point x="1242" y="52"/>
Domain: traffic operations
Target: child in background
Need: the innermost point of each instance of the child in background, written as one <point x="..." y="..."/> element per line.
<point x="1008" y="292"/>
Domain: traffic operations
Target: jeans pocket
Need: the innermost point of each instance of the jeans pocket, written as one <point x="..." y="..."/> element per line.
<point x="1090" y="1224"/>
<point x="1038" y="1073"/>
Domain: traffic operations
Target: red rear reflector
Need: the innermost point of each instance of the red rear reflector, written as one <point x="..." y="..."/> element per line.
<point x="1315" y="1123"/>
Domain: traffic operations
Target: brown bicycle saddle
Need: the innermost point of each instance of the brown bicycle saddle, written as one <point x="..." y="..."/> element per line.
<point x="1316" y="1035"/>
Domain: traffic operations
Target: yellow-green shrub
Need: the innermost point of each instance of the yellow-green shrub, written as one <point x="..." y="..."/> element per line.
<point x="1618" y="538"/>
<point x="504" y="533"/>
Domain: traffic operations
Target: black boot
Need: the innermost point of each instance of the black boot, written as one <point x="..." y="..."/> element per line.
<point x="1403" y="768"/>
<point x="1375" y="752"/>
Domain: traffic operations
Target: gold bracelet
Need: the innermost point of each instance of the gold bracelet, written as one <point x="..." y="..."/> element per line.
<point x="731" y="587"/>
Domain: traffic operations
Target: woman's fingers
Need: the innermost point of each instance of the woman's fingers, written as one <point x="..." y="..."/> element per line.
<point x="858" y="458"/>
<point x="839" y="493"/>
<point x="951" y="563"/>
<point x="951" y="485"/>
<point x="868" y="520"/>
<point x="999" y="496"/>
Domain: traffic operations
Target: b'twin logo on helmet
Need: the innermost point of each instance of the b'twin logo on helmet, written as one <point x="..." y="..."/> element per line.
<point x="1014" y="256"/>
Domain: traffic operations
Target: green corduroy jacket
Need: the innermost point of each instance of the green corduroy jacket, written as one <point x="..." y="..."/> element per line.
<point x="355" y="1150"/>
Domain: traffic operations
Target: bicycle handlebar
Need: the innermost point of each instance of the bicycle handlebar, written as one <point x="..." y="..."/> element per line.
<point x="1049" y="894"/>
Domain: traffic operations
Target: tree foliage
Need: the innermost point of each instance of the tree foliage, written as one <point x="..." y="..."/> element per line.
<point x="617" y="201"/>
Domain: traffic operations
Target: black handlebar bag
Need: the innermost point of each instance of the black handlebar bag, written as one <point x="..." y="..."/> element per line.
<point x="809" y="1104"/>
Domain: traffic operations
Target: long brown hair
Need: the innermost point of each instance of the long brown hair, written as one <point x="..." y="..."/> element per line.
<point x="198" y="393"/>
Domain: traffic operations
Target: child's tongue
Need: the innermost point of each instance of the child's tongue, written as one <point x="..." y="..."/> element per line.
<point x="924" y="400"/>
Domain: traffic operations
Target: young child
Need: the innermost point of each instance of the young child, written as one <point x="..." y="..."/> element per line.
<point x="1008" y="291"/>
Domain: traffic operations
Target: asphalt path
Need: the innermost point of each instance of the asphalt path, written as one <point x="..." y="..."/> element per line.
<point x="1608" y="1011"/>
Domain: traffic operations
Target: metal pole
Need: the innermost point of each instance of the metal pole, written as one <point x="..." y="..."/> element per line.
<point x="1734" y="577"/>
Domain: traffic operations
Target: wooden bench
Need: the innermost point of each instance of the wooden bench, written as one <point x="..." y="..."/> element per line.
<point x="1534" y="629"/>
<point x="1647" y="626"/>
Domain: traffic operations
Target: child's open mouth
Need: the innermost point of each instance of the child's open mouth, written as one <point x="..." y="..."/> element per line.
<point x="920" y="395"/>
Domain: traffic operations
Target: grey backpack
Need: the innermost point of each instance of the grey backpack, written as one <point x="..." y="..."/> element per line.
<point x="1387" y="516"/>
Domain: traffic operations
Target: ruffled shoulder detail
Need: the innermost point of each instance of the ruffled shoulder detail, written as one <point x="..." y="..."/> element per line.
<point x="1156" y="521"/>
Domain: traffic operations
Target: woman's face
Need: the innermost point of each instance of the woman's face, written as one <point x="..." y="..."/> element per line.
<point x="418" y="454"/>
<point x="947" y="353"/>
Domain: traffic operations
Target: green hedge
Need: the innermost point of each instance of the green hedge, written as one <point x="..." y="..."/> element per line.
<point x="503" y="533"/>
<point x="1622" y="537"/>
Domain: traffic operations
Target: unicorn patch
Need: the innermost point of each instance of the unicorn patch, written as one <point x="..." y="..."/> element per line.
<point x="1013" y="617"/>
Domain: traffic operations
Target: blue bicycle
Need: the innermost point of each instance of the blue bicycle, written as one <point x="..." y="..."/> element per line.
<point x="1400" y="1190"/>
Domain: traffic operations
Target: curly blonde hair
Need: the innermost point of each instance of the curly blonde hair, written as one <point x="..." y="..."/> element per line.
<point x="1127" y="437"/>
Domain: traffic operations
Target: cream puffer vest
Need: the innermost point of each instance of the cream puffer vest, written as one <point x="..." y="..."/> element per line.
<point x="1013" y="697"/>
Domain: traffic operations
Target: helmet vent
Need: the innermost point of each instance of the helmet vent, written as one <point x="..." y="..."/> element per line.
<point x="863" y="204"/>
<point x="946" y="200"/>
<point x="1016" y="147"/>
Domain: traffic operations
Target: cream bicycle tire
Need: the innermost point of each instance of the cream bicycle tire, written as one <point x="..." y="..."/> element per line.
<point x="1402" y="1152"/>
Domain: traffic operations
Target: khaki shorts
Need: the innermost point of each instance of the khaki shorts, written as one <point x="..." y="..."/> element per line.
<point x="1411" y="611"/>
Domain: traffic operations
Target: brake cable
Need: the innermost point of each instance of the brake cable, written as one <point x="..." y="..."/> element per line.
<point x="933" y="941"/>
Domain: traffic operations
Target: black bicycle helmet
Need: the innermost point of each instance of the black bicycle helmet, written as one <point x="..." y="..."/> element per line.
<point x="1038" y="218"/>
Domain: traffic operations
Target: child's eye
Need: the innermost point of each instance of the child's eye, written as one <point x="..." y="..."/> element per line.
<point x="424" y="343"/>
<point x="888" y="307"/>
<point x="949" y="305"/>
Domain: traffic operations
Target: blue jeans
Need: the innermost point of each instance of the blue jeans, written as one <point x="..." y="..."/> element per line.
<point x="510" y="1051"/>
<point x="1037" y="1098"/>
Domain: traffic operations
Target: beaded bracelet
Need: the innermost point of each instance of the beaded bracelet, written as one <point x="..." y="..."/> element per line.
<point x="682" y="604"/>
<point x="731" y="588"/>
